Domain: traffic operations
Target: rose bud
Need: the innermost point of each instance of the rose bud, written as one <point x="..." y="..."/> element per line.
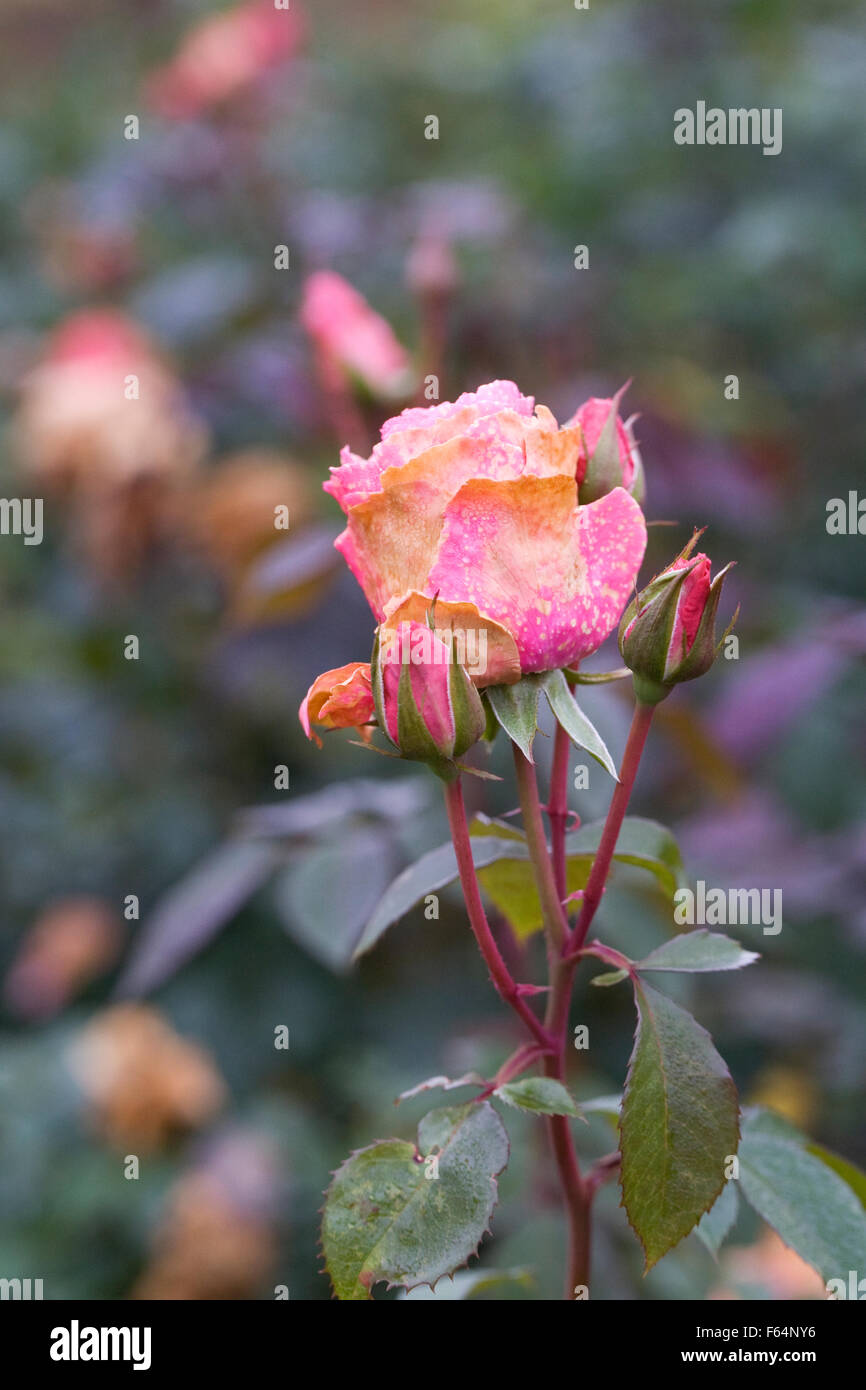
<point x="339" y="699"/>
<point x="352" y="339"/>
<point x="667" y="633"/>
<point x="609" y="455"/>
<point x="425" y="701"/>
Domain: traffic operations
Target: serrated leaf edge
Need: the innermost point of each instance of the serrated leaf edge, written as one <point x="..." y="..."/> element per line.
<point x="648" y="1264"/>
<point x="473" y="1254"/>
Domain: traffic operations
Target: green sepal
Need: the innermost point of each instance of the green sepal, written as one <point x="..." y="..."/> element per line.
<point x="516" y="709"/>
<point x="467" y="711"/>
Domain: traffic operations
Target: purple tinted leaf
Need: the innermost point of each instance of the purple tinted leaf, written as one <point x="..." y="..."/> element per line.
<point x="192" y="912"/>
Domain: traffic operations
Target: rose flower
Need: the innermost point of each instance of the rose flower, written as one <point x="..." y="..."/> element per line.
<point x="476" y="503"/>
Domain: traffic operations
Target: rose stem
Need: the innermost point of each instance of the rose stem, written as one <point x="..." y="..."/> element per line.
<point x="557" y="807"/>
<point x="576" y="1195"/>
<point x="555" y="919"/>
<point x="499" y="971"/>
<point x="640" y="726"/>
<point x="344" y="416"/>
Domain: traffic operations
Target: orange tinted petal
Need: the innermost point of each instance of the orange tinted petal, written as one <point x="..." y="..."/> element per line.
<point x="338" y="699"/>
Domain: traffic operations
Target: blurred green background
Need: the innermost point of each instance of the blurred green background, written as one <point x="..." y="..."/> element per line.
<point x="118" y="777"/>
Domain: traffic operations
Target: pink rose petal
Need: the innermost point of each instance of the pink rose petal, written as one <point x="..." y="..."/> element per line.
<point x="555" y="575"/>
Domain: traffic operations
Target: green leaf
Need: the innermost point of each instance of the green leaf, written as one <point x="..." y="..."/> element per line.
<point x="516" y="708"/>
<point x="510" y="883"/>
<point x="325" y="898"/>
<point x="596" y="677"/>
<point x="697" y="951"/>
<point x="603" y="1105"/>
<point x="306" y="817"/>
<point x="385" y="1219"/>
<point x="692" y="952"/>
<point x="541" y="1094"/>
<point x="580" y="730"/>
<point x="679" y="1124"/>
<point x="445" y="1083"/>
<point x="192" y="912"/>
<point x="495" y="829"/>
<point x="469" y="1284"/>
<point x="510" y="886"/>
<point x="813" y="1209"/>
<point x="714" y="1227"/>
<point x="610" y="977"/>
<point x="428" y="874"/>
<point x="643" y="843"/>
<point x="847" y="1171"/>
<point x="758" y="1120"/>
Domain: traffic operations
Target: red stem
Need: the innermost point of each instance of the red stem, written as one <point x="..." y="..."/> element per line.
<point x="563" y="949"/>
<point x="499" y="972"/>
<point x="557" y="807"/>
<point x="555" y="919"/>
<point x="640" y="726"/>
<point x="577" y="1196"/>
<point x="345" y="418"/>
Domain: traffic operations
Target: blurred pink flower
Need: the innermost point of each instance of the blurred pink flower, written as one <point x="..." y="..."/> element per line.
<point x="102" y="407"/>
<point x="104" y="423"/>
<point x="352" y="338"/>
<point x="224" y="55"/>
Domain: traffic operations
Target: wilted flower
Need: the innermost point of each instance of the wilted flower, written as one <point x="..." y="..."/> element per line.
<point x="237" y="507"/>
<point x="207" y="1245"/>
<point x="103" y="422"/>
<point x="143" y="1080"/>
<point x="667" y="633"/>
<point x="609" y="455"/>
<point x="475" y="503"/>
<point x="224" y="55"/>
<point x="351" y="338"/>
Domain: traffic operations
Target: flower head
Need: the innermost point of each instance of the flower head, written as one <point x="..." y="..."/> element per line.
<point x="476" y="503"/>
